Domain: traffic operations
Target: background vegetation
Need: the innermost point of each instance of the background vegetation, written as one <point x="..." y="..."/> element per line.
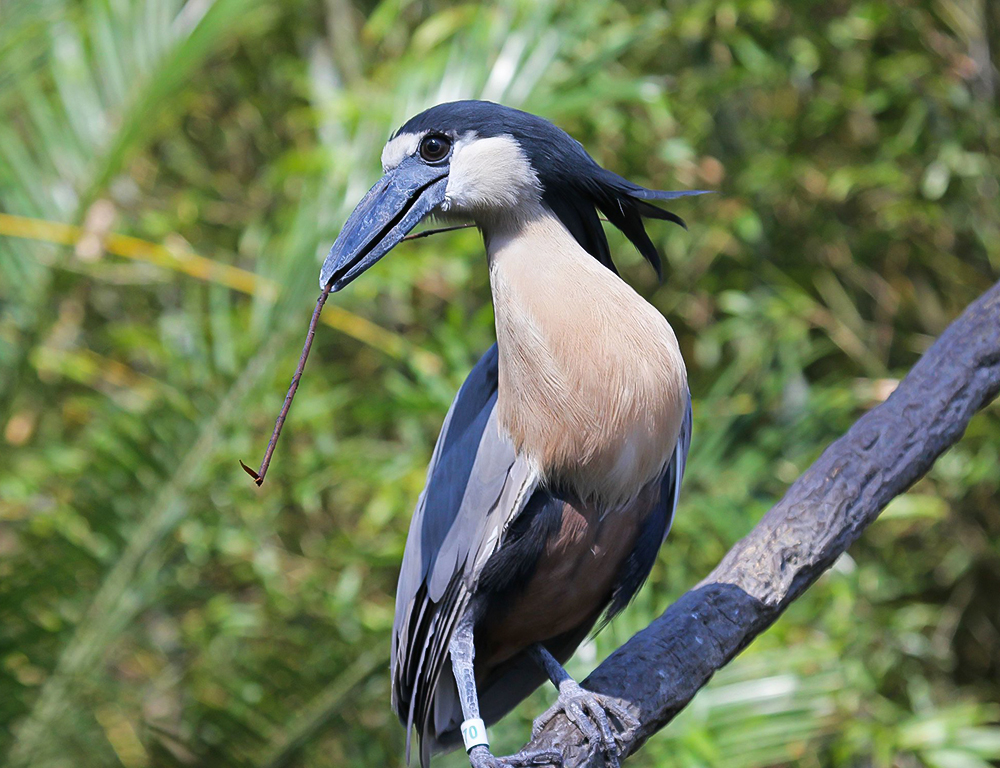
<point x="171" y="174"/>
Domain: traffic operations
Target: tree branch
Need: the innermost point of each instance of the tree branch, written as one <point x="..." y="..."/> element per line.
<point x="658" y="671"/>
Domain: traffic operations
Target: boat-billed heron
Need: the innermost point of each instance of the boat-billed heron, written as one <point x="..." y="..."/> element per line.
<point x="557" y="470"/>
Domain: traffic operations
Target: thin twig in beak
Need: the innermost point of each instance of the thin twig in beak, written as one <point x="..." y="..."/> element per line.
<point x="258" y="476"/>
<point x="429" y="232"/>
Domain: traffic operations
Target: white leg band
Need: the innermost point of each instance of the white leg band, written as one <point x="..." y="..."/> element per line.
<point x="474" y="734"/>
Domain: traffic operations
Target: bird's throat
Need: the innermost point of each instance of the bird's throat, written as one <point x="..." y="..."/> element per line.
<point x="592" y="386"/>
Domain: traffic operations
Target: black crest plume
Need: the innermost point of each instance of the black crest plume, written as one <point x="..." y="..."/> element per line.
<point x="574" y="186"/>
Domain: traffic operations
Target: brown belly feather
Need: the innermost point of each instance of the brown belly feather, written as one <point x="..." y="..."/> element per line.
<point x="574" y="578"/>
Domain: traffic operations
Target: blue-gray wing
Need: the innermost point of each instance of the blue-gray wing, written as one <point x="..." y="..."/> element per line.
<point x="508" y="684"/>
<point x="476" y="485"/>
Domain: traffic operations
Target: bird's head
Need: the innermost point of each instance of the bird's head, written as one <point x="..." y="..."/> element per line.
<point x="488" y="163"/>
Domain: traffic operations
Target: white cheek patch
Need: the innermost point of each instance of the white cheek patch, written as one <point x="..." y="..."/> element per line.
<point x="398" y="149"/>
<point x="489" y="173"/>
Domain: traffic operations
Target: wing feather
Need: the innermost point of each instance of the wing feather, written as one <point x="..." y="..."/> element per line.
<point x="476" y="486"/>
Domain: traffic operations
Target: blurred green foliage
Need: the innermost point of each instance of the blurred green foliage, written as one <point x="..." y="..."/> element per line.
<point x="156" y="609"/>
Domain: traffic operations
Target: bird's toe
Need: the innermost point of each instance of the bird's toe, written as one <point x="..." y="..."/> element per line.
<point x="481" y="757"/>
<point x="629" y="724"/>
<point x="591" y="713"/>
<point x="536" y="758"/>
<point x="544" y="719"/>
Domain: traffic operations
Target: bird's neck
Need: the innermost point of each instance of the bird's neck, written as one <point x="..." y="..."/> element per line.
<point x="592" y="386"/>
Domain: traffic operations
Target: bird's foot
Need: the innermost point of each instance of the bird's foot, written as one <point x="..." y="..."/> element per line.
<point x="481" y="757"/>
<point x="590" y="712"/>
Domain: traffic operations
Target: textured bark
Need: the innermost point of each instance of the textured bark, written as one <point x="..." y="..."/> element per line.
<point x="661" y="668"/>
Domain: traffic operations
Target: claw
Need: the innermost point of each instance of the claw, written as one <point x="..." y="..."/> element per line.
<point x="481" y="757"/>
<point x="535" y="759"/>
<point x="589" y="712"/>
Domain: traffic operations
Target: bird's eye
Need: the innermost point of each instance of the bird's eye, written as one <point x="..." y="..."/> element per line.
<point x="435" y="147"/>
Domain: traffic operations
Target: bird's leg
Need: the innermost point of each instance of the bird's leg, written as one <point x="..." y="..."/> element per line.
<point x="587" y="710"/>
<point x="463" y="651"/>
